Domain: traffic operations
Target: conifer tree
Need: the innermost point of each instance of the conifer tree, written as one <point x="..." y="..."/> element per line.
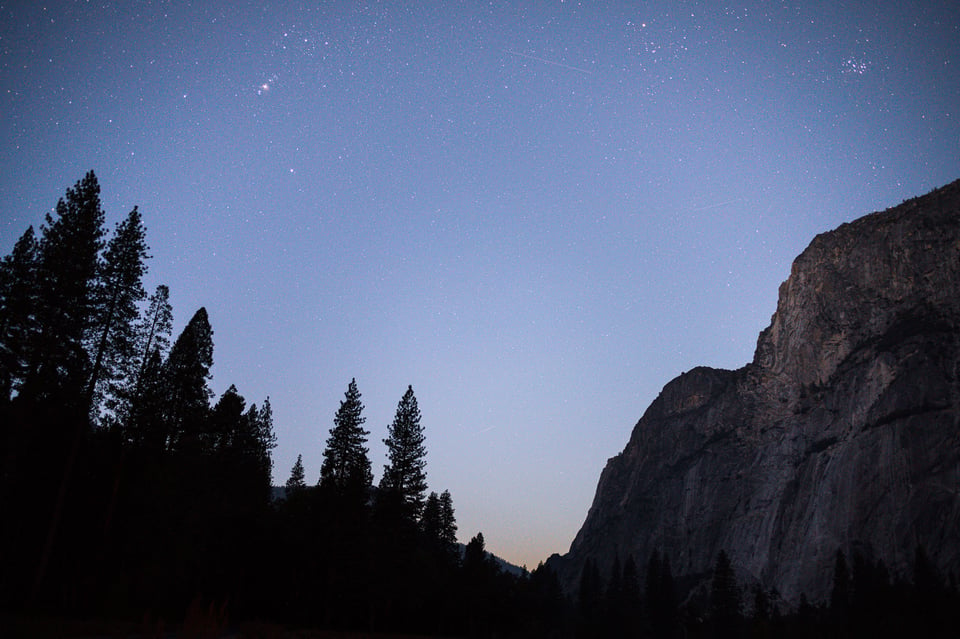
<point x="67" y="270"/>
<point x="761" y="611"/>
<point x="661" y="596"/>
<point x="151" y="339"/>
<point x="480" y="582"/>
<point x="725" y="605"/>
<point x="118" y="291"/>
<point x="346" y="466"/>
<point x="654" y="569"/>
<point x="224" y="430"/>
<point x="630" y="596"/>
<point x="806" y="616"/>
<point x="475" y="558"/>
<point x="405" y="474"/>
<point x="590" y="597"/>
<point x="144" y="419"/>
<point x="430" y="519"/>
<point x="840" y="593"/>
<point x="259" y="440"/>
<point x="448" y="523"/>
<point x="612" y="605"/>
<point x="68" y="266"/>
<point x="438" y="522"/>
<point x="297" y="480"/>
<point x="18" y="301"/>
<point x="153" y="330"/>
<point x="668" y="594"/>
<point x="184" y="379"/>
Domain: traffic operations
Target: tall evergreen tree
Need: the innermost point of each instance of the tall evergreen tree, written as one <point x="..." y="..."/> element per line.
<point x="67" y="270"/>
<point x="141" y="370"/>
<point x="590" y="599"/>
<point x="69" y="264"/>
<point x="475" y="557"/>
<point x="841" y="591"/>
<point x="630" y="597"/>
<point x="430" y="519"/>
<point x="725" y="602"/>
<point x="144" y="419"/>
<point x="346" y="466"/>
<point x="935" y="603"/>
<point x="612" y="603"/>
<point x="661" y="596"/>
<point x="448" y="522"/>
<point x="297" y="480"/>
<point x="184" y="379"/>
<point x="480" y="583"/>
<point x="119" y="290"/>
<point x="224" y="430"/>
<point x="59" y="353"/>
<point x="262" y="441"/>
<point x="438" y="522"/>
<point x="18" y="307"/>
<point x="654" y="568"/>
<point x="152" y="332"/>
<point x="405" y="474"/>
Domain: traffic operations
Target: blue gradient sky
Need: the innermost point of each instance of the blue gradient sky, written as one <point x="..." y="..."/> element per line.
<point x="536" y="215"/>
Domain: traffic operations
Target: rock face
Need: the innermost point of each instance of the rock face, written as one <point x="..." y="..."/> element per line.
<point x="842" y="433"/>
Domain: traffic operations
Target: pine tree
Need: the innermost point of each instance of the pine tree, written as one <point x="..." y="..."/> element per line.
<point x="224" y="430"/>
<point x="266" y="439"/>
<point x="654" y="569"/>
<point x="934" y="602"/>
<point x="430" y="519"/>
<point x="144" y="422"/>
<point x="153" y="331"/>
<point x="480" y="584"/>
<point x="630" y="601"/>
<point x="184" y="379"/>
<point x="475" y="558"/>
<point x="661" y="597"/>
<point x="725" y="605"/>
<point x="448" y="523"/>
<point x="297" y="477"/>
<point x="118" y="291"/>
<point x="68" y="267"/>
<point x="405" y="474"/>
<point x="438" y="522"/>
<point x="590" y="597"/>
<point x="18" y="306"/>
<point x="346" y="466"/>
<point x="840" y="594"/>
<point x="615" y="612"/>
<point x="151" y="339"/>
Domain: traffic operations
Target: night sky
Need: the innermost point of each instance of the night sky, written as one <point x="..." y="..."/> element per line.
<point x="537" y="215"/>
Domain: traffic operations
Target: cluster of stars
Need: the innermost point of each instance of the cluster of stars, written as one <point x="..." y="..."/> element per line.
<point x="265" y="86"/>
<point x="855" y="66"/>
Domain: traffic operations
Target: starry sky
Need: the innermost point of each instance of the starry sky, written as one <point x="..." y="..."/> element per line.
<point x="537" y="214"/>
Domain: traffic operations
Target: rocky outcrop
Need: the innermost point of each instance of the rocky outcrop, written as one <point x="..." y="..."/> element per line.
<point x="842" y="433"/>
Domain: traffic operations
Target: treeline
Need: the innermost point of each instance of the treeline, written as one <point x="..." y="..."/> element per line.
<point x="129" y="492"/>
<point x="865" y="601"/>
<point x="352" y="555"/>
<point x="121" y="485"/>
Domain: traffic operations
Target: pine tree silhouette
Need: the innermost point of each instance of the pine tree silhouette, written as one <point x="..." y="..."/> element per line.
<point x="405" y="474"/>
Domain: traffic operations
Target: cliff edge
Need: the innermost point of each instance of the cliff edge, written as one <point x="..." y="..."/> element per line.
<point x="842" y="433"/>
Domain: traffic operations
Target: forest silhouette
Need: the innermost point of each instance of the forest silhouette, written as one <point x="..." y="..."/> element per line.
<point x="131" y="496"/>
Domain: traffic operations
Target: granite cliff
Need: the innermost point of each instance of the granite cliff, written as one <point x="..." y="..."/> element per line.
<point x="842" y="433"/>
